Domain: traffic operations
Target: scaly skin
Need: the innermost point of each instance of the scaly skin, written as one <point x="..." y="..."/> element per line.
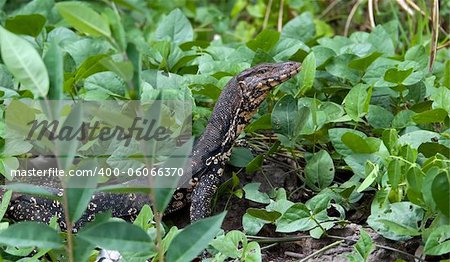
<point x="234" y="109"/>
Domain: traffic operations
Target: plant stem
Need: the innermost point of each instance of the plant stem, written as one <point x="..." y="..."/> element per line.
<point x="323" y="249"/>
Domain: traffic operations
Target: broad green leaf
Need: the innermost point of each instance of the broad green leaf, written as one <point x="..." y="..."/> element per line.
<point x="414" y="179"/>
<point x="296" y="218"/>
<point x="284" y="116"/>
<point x="194" y="238"/>
<point x="379" y="117"/>
<point x="301" y="27"/>
<point x="319" y="171"/>
<point x="438" y="243"/>
<point x="356" y="103"/>
<point x="397" y="221"/>
<point x="230" y="244"/>
<point x="270" y="216"/>
<point x="308" y="74"/>
<point x="416" y="138"/>
<point x="336" y="134"/>
<point x="440" y="98"/>
<point x="396" y="172"/>
<point x="251" y="224"/>
<point x="26" y="24"/>
<point x="437" y="115"/>
<point x="390" y="138"/>
<point x="440" y="190"/>
<point x="241" y="157"/>
<point x="262" y="123"/>
<point x="145" y="218"/>
<point x="255" y="164"/>
<point x="31" y="234"/>
<point x="24" y="62"/>
<point x="117" y="235"/>
<point x="360" y="145"/>
<point x="429" y="149"/>
<point x="252" y="193"/>
<point x="265" y="40"/>
<point x="362" y="248"/>
<point x="397" y="76"/>
<point x="83" y="18"/>
<point x="364" y="62"/>
<point x="176" y="27"/>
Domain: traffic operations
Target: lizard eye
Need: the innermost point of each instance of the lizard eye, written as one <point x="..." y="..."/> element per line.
<point x="262" y="71"/>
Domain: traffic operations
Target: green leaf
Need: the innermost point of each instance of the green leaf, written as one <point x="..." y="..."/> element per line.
<point x="308" y="74"/>
<point x="362" y="248"/>
<point x="296" y="218"/>
<point x="364" y="62"/>
<point x="5" y="202"/>
<point x="241" y="157"/>
<point x="390" y="138"/>
<point x="269" y="216"/>
<point x="336" y="135"/>
<point x="194" y="238"/>
<point x="83" y="18"/>
<point x="397" y="221"/>
<point x="397" y="76"/>
<point x="302" y="27"/>
<point x="438" y="243"/>
<point x="319" y="171"/>
<point x="440" y="190"/>
<point x="252" y="193"/>
<point x="176" y="27"/>
<point x="416" y="138"/>
<point x="31" y="234"/>
<point x="26" y="24"/>
<point x="284" y="116"/>
<point x="145" y="218"/>
<point x="395" y="172"/>
<point x="379" y="117"/>
<point x="117" y="235"/>
<point x="33" y="190"/>
<point x="24" y="62"/>
<point x="262" y="123"/>
<point x="437" y="115"/>
<point x="251" y="224"/>
<point x="255" y="164"/>
<point x="371" y="171"/>
<point x="265" y="40"/>
<point x="356" y="103"/>
<point x="360" y="145"/>
<point x="53" y="60"/>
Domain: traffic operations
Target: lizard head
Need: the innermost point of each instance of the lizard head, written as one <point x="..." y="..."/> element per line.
<point x="256" y="82"/>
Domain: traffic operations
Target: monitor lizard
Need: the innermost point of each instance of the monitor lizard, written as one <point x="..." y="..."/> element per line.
<point x="235" y="107"/>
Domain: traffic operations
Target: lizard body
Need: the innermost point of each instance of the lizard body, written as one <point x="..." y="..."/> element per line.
<point x="234" y="109"/>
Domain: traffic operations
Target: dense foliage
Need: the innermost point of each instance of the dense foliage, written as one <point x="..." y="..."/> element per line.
<point x="368" y="114"/>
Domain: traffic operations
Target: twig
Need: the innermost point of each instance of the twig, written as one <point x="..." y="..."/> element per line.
<point x="329" y="8"/>
<point x="293" y="254"/>
<point x="350" y="16"/>
<point x="269" y="246"/>
<point x="434" y="33"/>
<point x="266" y="16"/>
<point x="323" y="249"/>
<point x="280" y="16"/>
<point x="444" y="45"/>
<point x="371" y="16"/>
<point x="415" y="7"/>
